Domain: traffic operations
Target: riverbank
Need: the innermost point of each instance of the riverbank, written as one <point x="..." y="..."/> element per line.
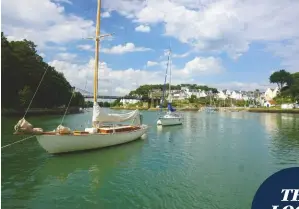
<point x="39" y="111"/>
<point x="273" y="110"/>
<point x="128" y="108"/>
<point x="222" y="109"/>
<point x="258" y="110"/>
<point x="152" y="109"/>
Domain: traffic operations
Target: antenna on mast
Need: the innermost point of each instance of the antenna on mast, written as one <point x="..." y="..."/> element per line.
<point x="99" y="37"/>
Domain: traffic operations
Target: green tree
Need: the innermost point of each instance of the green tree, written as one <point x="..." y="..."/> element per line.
<point x="22" y="70"/>
<point x="88" y="104"/>
<point x="144" y="90"/>
<point x="77" y="100"/>
<point x="281" y="78"/>
<point x="289" y="93"/>
<point x="192" y="99"/>
<point x="294" y="88"/>
<point x="116" y="103"/>
<point x="25" y="96"/>
<point x="106" y="104"/>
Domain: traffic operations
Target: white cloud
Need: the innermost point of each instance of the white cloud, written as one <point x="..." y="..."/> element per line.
<point x="122" y="91"/>
<point x="112" y="81"/>
<point x="125" y="8"/>
<point x="63" y="1"/>
<point x="66" y="56"/>
<point x="42" y="55"/>
<point x="217" y="25"/>
<point x="55" y="48"/>
<point x="43" y="21"/>
<point x="121" y="49"/>
<point x="181" y="55"/>
<point x="143" y="28"/>
<point x="86" y="47"/>
<point x="243" y="86"/>
<point x="151" y="63"/>
<point x="106" y="14"/>
<point x="202" y="65"/>
<point x="288" y="52"/>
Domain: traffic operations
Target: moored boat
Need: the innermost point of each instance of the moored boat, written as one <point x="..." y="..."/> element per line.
<point x="75" y="141"/>
<point x="101" y="134"/>
<point x="170" y="118"/>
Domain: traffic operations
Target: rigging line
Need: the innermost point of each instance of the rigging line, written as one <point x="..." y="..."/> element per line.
<point x="67" y="108"/>
<point x="8" y="145"/>
<point x="170" y="62"/>
<point x="36" y="91"/>
<point x="85" y="84"/>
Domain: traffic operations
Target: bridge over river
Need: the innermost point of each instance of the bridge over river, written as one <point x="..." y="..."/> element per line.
<point x="153" y="98"/>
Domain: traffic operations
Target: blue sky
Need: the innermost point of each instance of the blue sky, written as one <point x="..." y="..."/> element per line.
<point x="221" y="43"/>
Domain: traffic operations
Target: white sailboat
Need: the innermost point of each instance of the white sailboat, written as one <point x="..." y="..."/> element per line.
<point x="170" y="118"/>
<point x="100" y="135"/>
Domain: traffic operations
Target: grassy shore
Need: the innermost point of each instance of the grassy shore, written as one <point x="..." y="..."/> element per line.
<point x="273" y="110"/>
<point x="153" y="109"/>
<point x="230" y="109"/>
<point x="129" y="108"/>
<point x="40" y="111"/>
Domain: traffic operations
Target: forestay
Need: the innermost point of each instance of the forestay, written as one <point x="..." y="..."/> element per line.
<point x="101" y="116"/>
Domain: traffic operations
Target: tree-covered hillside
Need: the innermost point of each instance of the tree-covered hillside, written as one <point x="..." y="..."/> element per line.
<point x="144" y="89"/>
<point x="22" y="70"/>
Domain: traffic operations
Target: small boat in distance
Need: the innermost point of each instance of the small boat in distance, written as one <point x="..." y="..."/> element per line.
<point x="170" y="118"/>
<point x="100" y="134"/>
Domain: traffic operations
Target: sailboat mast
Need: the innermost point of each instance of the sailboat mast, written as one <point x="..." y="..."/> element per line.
<point x="97" y="46"/>
<point x="169" y="74"/>
<point x="164" y="86"/>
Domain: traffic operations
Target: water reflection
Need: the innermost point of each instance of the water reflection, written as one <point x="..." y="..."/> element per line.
<point x="269" y="121"/>
<point x="284" y="138"/>
<point x="98" y="162"/>
<point x="169" y="132"/>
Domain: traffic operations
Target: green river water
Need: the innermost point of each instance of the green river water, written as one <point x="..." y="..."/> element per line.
<point x="212" y="161"/>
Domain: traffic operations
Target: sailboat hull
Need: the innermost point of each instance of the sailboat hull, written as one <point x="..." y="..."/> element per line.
<point x="169" y="121"/>
<point x="69" y="143"/>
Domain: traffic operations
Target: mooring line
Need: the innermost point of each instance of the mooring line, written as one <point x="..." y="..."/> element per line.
<point x="18" y="141"/>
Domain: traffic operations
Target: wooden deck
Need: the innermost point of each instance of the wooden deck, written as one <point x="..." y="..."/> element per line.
<point x="102" y="130"/>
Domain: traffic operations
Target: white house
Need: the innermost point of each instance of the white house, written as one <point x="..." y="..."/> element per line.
<point x="287" y="106"/>
<point x="236" y="95"/>
<point x="221" y="95"/>
<point x="227" y="92"/>
<point x="269" y="103"/>
<point x="129" y="101"/>
<point x="271" y="93"/>
<point x="202" y="94"/>
<point x="179" y="95"/>
<point x="190" y="92"/>
<point x="245" y="97"/>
